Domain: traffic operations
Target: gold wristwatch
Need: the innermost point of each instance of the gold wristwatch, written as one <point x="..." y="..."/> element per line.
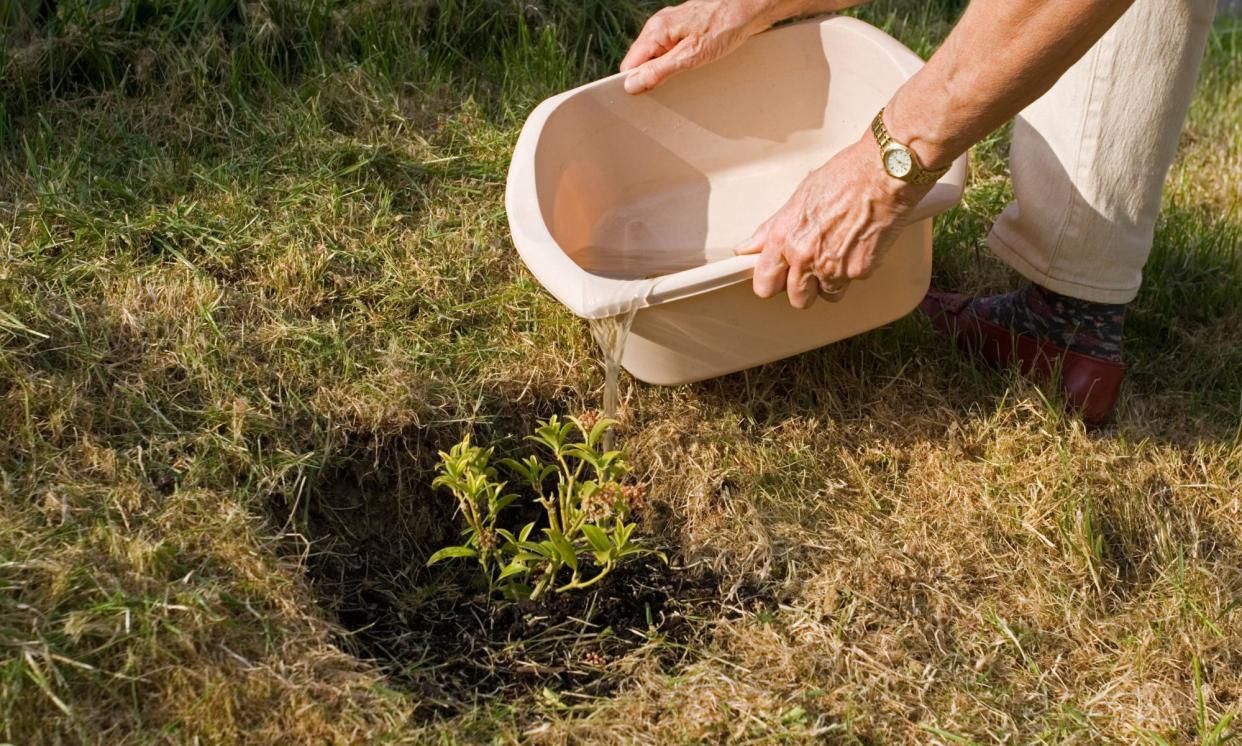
<point x="899" y="160"/>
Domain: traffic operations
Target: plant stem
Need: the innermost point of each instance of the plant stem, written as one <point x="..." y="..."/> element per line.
<point x="553" y="513"/>
<point x="565" y="487"/>
<point x="544" y="582"/>
<point x="574" y="584"/>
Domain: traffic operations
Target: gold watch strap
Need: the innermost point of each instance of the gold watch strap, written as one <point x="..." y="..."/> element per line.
<point x="920" y="175"/>
<point x="880" y="131"/>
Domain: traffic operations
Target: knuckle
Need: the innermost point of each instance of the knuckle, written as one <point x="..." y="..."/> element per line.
<point x="686" y="58"/>
<point x="801" y="256"/>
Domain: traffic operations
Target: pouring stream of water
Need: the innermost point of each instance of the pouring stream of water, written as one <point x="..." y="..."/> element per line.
<point x="610" y="334"/>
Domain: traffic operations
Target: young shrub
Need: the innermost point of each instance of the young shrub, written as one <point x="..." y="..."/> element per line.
<point x="587" y="528"/>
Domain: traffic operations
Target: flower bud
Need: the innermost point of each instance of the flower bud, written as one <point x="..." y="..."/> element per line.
<point x="589" y="419"/>
<point x="634" y="495"/>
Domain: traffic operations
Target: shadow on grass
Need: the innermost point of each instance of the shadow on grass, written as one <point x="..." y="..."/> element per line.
<point x="372" y="520"/>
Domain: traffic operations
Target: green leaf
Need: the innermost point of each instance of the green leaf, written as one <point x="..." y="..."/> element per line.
<point x="553" y="434"/>
<point x="597" y="537"/>
<point x="538" y="547"/>
<point x="615" y="460"/>
<point x="599" y="429"/>
<point x="524" y="534"/>
<point x="1221" y="733"/>
<point x="580" y="451"/>
<point x="518" y="591"/>
<point x="513" y="568"/>
<point x="585" y="490"/>
<point x="503" y="503"/>
<point x="451" y="552"/>
<point x="563" y="548"/>
<point x="621" y="533"/>
<point x="529" y="470"/>
<point x="631" y="550"/>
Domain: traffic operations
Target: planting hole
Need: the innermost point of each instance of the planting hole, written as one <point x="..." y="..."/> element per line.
<point x="374" y="519"/>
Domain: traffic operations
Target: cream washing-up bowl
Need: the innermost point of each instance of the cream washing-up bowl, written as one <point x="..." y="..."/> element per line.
<point x="622" y="203"/>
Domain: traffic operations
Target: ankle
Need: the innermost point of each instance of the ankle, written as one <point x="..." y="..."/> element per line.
<point x="1072" y="323"/>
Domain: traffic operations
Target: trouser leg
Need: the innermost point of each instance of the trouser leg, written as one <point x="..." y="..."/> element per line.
<point x="1089" y="158"/>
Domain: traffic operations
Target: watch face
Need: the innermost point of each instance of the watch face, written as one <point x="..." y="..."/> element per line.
<point x="897" y="162"/>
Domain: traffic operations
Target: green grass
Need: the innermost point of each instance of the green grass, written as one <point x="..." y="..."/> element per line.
<point x="255" y="271"/>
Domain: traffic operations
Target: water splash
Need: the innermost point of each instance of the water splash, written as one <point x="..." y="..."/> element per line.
<point x="611" y="334"/>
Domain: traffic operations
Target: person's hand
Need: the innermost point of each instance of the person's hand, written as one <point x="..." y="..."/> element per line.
<point x="685" y="36"/>
<point x="834" y="229"/>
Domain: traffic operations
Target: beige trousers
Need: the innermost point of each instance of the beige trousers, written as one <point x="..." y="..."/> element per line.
<point x="1089" y="158"/>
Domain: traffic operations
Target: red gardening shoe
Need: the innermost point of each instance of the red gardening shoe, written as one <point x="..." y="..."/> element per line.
<point x="1090" y="384"/>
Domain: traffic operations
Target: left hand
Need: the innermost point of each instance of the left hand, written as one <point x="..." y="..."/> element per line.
<point x="834" y="229"/>
<point x="686" y="36"/>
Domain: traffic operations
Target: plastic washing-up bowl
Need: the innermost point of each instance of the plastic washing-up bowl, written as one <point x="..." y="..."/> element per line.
<point x="622" y="203"/>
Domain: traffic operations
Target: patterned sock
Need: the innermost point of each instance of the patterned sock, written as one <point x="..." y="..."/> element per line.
<point x="1078" y="325"/>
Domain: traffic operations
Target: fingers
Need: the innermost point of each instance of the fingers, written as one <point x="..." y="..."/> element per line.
<point x="860" y="266"/>
<point x="654" y="41"/>
<point x="802" y="275"/>
<point x="775" y="272"/>
<point x="833" y="276"/>
<point x="659" y="69"/>
<point x="801" y="286"/>
<point x="771" y="271"/>
<point x="752" y="245"/>
<point x="802" y="283"/>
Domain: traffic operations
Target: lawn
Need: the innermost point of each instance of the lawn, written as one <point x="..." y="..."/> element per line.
<point x="255" y="273"/>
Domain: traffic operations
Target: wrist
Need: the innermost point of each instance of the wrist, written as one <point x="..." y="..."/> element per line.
<point x="775" y="11"/>
<point x="768" y="13"/>
<point x="898" y="191"/>
<point x="798" y="8"/>
<point x="916" y="128"/>
<point x="771" y="12"/>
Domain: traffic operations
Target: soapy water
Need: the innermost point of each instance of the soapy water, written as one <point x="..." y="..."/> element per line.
<point x="610" y="334"/>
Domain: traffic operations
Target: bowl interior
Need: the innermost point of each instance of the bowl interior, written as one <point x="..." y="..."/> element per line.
<point x="641" y="186"/>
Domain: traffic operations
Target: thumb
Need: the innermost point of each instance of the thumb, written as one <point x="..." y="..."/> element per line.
<point x="752" y="245"/>
<point x="654" y="72"/>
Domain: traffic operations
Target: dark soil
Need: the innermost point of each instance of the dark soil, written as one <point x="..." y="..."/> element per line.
<point x="454" y="648"/>
<point x="373" y="523"/>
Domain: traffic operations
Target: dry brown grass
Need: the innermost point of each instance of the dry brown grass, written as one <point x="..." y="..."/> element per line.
<point x="245" y="299"/>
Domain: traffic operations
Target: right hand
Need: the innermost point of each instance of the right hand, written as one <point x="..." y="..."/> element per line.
<point x="685" y="36"/>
